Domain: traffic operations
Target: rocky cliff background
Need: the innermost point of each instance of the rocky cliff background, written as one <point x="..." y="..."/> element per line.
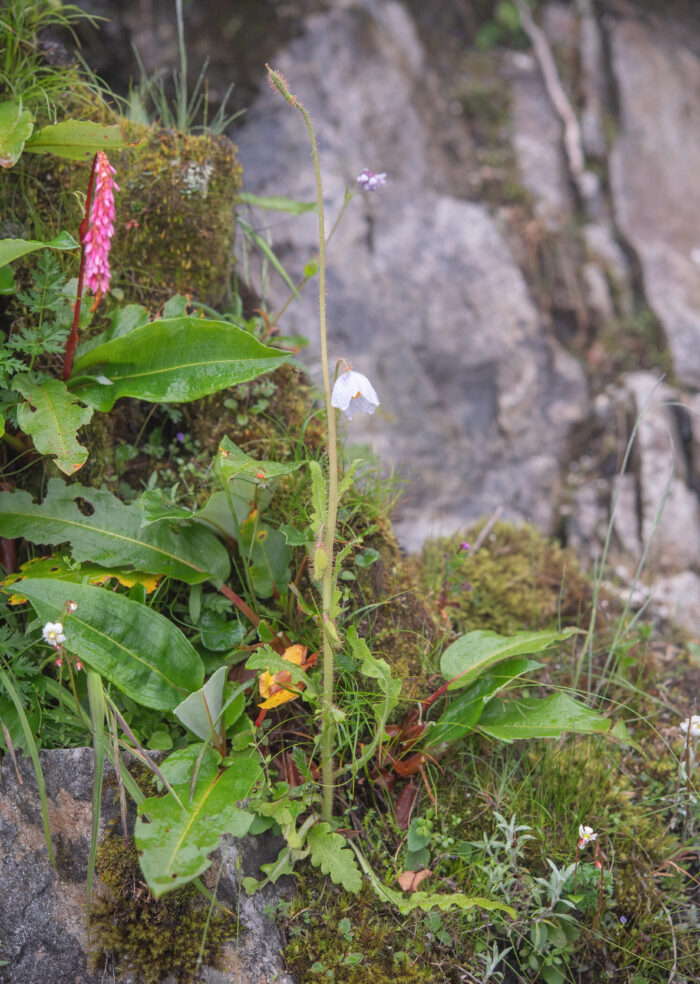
<point x="525" y="294"/>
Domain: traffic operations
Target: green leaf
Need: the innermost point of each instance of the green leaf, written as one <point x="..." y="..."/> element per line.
<point x="16" y="125"/>
<point x="8" y="285"/>
<point x="31" y="746"/>
<point x="77" y="140"/>
<point x="463" y="713"/>
<point x="276" y="203"/>
<point x="175" y="844"/>
<point x="379" y="670"/>
<point x="156" y="505"/>
<point x="110" y="533"/>
<point x="266" y="250"/>
<point x="330" y="853"/>
<point x="176" y="360"/>
<point x="13" y="249"/>
<point x="548" y="717"/>
<point x="51" y="417"/>
<point x="201" y="711"/>
<point x="235" y="463"/>
<point x="219" y="634"/>
<point x="140" y="651"/>
<point x="435" y="900"/>
<point x="267" y="555"/>
<point x="428" y="900"/>
<point x="470" y="655"/>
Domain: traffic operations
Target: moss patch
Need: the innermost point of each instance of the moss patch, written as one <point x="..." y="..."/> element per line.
<point x="146" y="937"/>
<point x="516" y="580"/>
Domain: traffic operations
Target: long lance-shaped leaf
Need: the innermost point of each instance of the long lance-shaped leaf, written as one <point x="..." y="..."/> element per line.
<point x="97" y="719"/>
<point x="13" y="249"/>
<point x="175" y="360"/>
<point x="140" y="651"/>
<point x="108" y="532"/>
<point x="78" y="140"/>
<point x="34" y="754"/>
<point x="535" y="717"/>
<point x="462" y="714"/>
<point x="469" y="656"/>
<point x="175" y="844"/>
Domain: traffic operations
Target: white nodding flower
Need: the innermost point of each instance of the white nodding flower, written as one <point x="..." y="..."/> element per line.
<point x="53" y="634"/>
<point x="585" y="835"/>
<point x="352" y="392"/>
<point x="692" y="725"/>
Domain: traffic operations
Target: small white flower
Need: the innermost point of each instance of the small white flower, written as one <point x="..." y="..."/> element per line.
<point x="53" y="634"/>
<point x="353" y="391"/>
<point x="691" y="724"/>
<point x="585" y="835"/>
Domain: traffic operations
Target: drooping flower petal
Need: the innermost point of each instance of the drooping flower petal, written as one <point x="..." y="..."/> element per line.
<point x="352" y="392"/>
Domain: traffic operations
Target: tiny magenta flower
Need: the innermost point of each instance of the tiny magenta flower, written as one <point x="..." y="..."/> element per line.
<point x="53" y="634"/>
<point x="371" y="181"/>
<point x="99" y="235"/>
<point x="691" y="725"/>
<point x="585" y="835"/>
<point x="353" y="391"/>
<point x="464" y="545"/>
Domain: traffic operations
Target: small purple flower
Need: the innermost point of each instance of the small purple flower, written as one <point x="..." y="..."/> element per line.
<point x="99" y="235"/>
<point x="623" y="920"/>
<point x="464" y="545"/>
<point x="371" y="181"/>
<point x="180" y="437"/>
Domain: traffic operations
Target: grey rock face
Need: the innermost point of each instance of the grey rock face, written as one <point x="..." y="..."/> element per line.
<point x="42" y="911"/>
<point x="424" y="295"/>
<point x="653" y="171"/>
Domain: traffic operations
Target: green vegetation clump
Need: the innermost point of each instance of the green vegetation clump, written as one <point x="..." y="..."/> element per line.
<point x="517" y="579"/>
<point x="147" y="937"/>
<point x="347" y="939"/>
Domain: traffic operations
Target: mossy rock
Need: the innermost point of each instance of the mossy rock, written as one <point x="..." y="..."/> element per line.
<point x="517" y="579"/>
<point x="174" y="226"/>
<point x="149" y="938"/>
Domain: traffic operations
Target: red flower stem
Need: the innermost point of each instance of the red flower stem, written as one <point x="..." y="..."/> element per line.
<point x="84" y="226"/>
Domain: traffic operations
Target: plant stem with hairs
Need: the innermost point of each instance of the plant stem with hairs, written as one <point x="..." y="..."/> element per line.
<point x="328" y="582"/>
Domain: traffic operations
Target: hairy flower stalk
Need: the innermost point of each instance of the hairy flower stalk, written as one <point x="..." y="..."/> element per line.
<point x="96" y="231"/>
<point x="327" y="727"/>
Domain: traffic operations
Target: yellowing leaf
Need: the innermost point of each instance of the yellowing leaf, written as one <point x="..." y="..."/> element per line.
<point x="278" y="689"/>
<point x="58" y="569"/>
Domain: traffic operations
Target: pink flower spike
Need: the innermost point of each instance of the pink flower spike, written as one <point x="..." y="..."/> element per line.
<point x="371" y="181"/>
<point x="97" y="242"/>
